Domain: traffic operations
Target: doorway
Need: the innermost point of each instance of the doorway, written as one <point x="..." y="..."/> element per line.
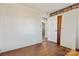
<point x="43" y="30"/>
<point x="59" y="22"/>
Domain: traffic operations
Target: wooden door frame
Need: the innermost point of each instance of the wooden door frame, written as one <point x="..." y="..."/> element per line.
<point x="59" y="23"/>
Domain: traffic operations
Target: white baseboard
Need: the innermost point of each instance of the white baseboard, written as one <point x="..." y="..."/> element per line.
<point x="1" y="51"/>
<point x="52" y="41"/>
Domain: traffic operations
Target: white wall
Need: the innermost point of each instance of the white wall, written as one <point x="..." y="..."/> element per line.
<point x="19" y="26"/>
<point x="52" y="29"/>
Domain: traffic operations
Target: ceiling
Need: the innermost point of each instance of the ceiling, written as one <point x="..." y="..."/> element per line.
<point x="48" y="7"/>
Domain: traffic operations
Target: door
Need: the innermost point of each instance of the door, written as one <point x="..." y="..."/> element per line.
<point x="52" y="29"/>
<point x="59" y="24"/>
<point x="77" y="23"/>
<point x="43" y="30"/>
<point x="68" y="33"/>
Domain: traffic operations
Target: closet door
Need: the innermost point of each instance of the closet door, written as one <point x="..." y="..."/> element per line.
<point x="68" y="33"/>
<point x="52" y="29"/>
<point x="77" y="42"/>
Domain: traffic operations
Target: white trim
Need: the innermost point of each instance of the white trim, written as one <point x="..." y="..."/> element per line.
<point x="21" y="47"/>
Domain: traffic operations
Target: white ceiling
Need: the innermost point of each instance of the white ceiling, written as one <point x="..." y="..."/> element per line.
<point x="48" y="7"/>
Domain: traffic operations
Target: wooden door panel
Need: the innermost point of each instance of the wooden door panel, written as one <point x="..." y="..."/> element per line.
<point x="59" y="21"/>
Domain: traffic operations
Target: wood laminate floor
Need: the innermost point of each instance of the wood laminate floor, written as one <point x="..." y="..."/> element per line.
<point x="42" y="49"/>
<point x="73" y="53"/>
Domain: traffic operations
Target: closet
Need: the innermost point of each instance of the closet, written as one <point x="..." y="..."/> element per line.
<point x="77" y="31"/>
<point x="69" y="29"/>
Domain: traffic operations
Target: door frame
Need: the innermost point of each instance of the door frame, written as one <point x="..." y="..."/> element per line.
<point x="44" y="29"/>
